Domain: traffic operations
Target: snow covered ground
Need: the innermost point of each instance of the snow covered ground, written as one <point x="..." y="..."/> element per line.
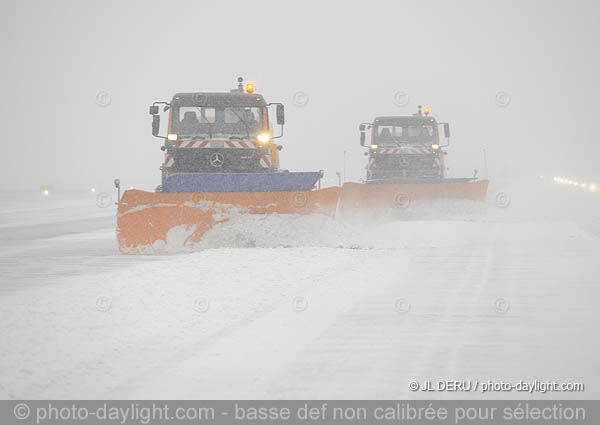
<point x="303" y="307"/>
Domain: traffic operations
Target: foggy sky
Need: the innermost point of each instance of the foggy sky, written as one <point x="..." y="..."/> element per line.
<point x="349" y="58"/>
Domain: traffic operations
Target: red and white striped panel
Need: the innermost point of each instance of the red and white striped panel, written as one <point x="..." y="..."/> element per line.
<point x="437" y="163"/>
<point x="193" y="144"/>
<point x="265" y="161"/>
<point x="218" y="144"/>
<point x="241" y="144"/>
<point x="371" y="163"/>
<point x="169" y="161"/>
<point x="414" y="149"/>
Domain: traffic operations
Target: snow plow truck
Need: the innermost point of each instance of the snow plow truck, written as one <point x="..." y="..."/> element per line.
<point x="405" y="164"/>
<point x="220" y="158"/>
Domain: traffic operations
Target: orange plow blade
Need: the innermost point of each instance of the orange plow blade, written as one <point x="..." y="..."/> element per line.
<point x="149" y="221"/>
<point x="376" y="200"/>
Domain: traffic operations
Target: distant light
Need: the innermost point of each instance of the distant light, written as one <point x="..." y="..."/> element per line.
<point x="172" y="137"/>
<point x="593" y="187"/>
<point x="570" y="182"/>
<point x="576" y="183"/>
<point x="582" y="184"/>
<point x="93" y="189"/>
<point x="249" y="88"/>
<point x="46" y="192"/>
<point x="131" y="188"/>
<point x="426" y="111"/>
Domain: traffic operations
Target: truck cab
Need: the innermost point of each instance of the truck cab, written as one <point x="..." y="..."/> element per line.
<point x="226" y="132"/>
<point x="404" y="147"/>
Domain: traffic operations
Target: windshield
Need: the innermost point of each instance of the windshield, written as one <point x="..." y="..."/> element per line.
<point x="217" y="122"/>
<point x="404" y="133"/>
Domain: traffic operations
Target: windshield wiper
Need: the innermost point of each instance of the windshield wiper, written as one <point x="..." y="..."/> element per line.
<point x="207" y="122"/>
<point x="244" y="122"/>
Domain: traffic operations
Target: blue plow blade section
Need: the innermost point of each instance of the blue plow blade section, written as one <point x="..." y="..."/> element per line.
<point x="431" y="180"/>
<point x="241" y="182"/>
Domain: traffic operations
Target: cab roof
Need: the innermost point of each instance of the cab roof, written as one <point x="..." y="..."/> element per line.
<point x="218" y="99"/>
<point x="413" y="119"/>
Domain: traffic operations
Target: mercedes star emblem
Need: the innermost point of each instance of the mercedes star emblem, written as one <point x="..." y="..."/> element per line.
<point x="216" y="160"/>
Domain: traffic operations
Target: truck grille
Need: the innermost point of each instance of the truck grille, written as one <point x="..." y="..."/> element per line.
<point x="403" y="165"/>
<point x="206" y="160"/>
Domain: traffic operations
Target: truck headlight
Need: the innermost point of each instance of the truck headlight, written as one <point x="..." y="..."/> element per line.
<point x="264" y="138"/>
<point x="434" y="147"/>
<point x="374" y="147"/>
<point x="172" y="137"/>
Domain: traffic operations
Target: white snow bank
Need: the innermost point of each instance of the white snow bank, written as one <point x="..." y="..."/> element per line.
<point x="280" y="230"/>
<point x="504" y="204"/>
<point x="289" y="230"/>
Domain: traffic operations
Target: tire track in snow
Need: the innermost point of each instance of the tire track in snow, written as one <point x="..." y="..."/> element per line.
<point x="201" y="369"/>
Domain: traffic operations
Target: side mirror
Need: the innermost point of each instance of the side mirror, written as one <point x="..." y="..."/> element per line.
<point x="153" y="110"/>
<point x="117" y="183"/>
<point x="446" y="130"/>
<point x="280" y="114"/>
<point x="155" y="124"/>
<point x="362" y="129"/>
